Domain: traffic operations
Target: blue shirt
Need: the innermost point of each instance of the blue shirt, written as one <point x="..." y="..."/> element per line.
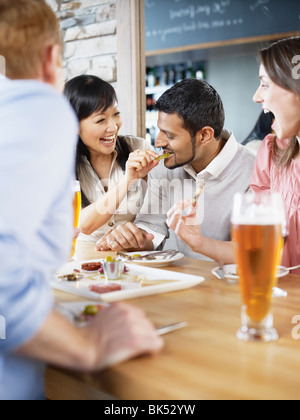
<point x="37" y="146"/>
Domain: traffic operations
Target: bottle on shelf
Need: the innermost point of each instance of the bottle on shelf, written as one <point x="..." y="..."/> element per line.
<point x="171" y="71"/>
<point x="151" y="78"/>
<point x="150" y="102"/>
<point x="190" y="72"/>
<point x="164" y="79"/>
<point x="179" y="73"/>
<point x="200" y="72"/>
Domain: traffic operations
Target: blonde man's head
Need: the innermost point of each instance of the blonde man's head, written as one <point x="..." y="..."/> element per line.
<point x="28" y="31"/>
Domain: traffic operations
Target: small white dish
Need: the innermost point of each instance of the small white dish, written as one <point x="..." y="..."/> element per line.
<point x="230" y="271"/>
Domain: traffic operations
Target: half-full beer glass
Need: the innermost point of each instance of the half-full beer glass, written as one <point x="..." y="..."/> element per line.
<point x="77" y="209"/>
<point x="257" y="231"/>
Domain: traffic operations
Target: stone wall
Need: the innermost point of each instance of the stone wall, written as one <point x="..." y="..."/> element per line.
<point x="90" y="37"/>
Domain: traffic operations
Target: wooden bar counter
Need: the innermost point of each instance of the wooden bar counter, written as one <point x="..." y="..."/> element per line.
<point x="204" y="360"/>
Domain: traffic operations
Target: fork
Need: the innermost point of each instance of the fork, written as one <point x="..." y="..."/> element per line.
<point x="80" y="322"/>
<point x="170" y="254"/>
<point x="293" y="268"/>
<point x="164" y="254"/>
<point x="170" y="328"/>
<point x="220" y="271"/>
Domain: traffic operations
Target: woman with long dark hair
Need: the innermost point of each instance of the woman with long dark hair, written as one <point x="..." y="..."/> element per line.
<point x="277" y="166"/>
<point x="110" y="167"/>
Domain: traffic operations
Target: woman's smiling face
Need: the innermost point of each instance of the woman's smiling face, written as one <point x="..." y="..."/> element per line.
<point x="100" y="130"/>
<point x="284" y="104"/>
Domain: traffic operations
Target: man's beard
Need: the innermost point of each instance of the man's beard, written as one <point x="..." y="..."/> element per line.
<point x="180" y="165"/>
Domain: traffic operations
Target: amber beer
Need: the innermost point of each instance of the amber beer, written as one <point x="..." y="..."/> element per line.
<point x="257" y="233"/>
<point x="258" y="254"/>
<point x="77" y="210"/>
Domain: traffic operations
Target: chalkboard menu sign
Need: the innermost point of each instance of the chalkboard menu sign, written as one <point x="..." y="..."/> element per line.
<point x="172" y="24"/>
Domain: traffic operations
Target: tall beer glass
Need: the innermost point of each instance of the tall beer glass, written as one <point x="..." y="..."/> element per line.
<point x="257" y="223"/>
<point x="77" y="210"/>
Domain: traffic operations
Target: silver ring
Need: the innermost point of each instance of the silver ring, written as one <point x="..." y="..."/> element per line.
<point x="111" y="242"/>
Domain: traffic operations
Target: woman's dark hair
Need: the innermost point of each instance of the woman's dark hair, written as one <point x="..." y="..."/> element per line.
<point x="197" y="103"/>
<point x="278" y="60"/>
<point x="87" y="95"/>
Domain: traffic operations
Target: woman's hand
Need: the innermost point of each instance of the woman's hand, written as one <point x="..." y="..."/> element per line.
<point x="140" y="163"/>
<point x="187" y="228"/>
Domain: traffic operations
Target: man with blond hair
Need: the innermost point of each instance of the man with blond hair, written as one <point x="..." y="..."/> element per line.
<point x="38" y="138"/>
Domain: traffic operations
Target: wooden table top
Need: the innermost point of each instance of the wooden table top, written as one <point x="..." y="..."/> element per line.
<point x="205" y="360"/>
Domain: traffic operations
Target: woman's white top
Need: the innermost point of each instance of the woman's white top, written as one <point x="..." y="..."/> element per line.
<point x="93" y="188"/>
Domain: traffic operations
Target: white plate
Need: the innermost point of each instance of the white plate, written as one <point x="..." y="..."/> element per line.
<point x="130" y="282"/>
<point x="230" y="271"/>
<point x="158" y="262"/>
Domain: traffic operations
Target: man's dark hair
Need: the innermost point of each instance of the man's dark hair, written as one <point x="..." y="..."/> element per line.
<point x="197" y="103"/>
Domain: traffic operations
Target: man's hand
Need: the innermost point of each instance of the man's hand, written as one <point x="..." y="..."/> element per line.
<point x="125" y="237"/>
<point x="115" y="335"/>
<point x="122" y="332"/>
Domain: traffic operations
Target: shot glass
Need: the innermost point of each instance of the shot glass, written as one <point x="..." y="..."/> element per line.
<point x="113" y="269"/>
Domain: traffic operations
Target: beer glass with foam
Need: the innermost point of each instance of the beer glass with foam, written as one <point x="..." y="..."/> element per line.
<point x="77" y="209"/>
<point x="258" y="221"/>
